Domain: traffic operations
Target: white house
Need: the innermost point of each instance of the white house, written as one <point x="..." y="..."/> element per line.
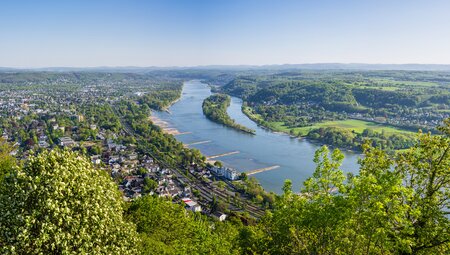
<point x="219" y="216"/>
<point x="66" y="141"/>
<point x="191" y="205"/>
<point x="229" y="173"/>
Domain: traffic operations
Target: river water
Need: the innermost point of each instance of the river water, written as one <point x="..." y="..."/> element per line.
<point x="265" y="149"/>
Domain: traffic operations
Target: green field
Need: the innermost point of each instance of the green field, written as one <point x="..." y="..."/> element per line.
<point x="403" y="83"/>
<point x="385" y="88"/>
<point x="392" y="85"/>
<point x="357" y="126"/>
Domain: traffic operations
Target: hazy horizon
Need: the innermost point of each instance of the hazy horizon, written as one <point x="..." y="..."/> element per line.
<point x="89" y="34"/>
<point x="226" y="65"/>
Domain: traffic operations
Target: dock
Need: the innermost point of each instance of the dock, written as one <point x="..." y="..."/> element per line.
<point x="182" y="133"/>
<point x="260" y="170"/>
<point x="199" y="142"/>
<point x="222" y="155"/>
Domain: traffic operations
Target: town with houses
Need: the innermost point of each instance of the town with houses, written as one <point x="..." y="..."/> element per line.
<point x="106" y="117"/>
<point x="58" y="120"/>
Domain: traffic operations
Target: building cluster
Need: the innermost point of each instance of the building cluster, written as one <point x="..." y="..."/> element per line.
<point x="226" y="172"/>
<point x="51" y="115"/>
<point x="413" y="120"/>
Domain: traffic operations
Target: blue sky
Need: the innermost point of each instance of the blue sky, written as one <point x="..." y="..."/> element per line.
<point x="223" y="32"/>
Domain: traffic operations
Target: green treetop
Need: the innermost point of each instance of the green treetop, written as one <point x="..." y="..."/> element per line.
<point x="59" y="204"/>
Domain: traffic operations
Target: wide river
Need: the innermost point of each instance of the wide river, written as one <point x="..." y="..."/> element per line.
<point x="265" y="149"/>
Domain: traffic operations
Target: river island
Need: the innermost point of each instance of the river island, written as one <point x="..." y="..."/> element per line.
<point x="215" y="108"/>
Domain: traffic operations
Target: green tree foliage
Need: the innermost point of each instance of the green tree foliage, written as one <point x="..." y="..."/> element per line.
<point x="426" y="171"/>
<point x="346" y="139"/>
<point x="218" y="164"/>
<point x="7" y="162"/>
<point x="161" y="99"/>
<point x="167" y="228"/>
<point x="308" y="223"/>
<point x="215" y="109"/>
<point x="377" y="208"/>
<point x="395" y="205"/>
<point x="59" y="204"/>
<point x="102" y="115"/>
<point x="149" y="185"/>
<point x="327" y="178"/>
<point x="255" y="191"/>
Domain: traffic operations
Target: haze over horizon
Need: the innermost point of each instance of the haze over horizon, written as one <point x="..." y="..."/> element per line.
<point x="201" y="33"/>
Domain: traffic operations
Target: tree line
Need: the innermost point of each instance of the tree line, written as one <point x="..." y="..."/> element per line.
<point x="215" y="108"/>
<point x="56" y="202"/>
<point x="406" y="100"/>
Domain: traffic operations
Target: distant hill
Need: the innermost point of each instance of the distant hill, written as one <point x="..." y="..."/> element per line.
<point x="315" y="66"/>
<point x="331" y="66"/>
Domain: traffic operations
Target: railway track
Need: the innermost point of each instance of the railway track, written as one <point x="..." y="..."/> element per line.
<point x="207" y="192"/>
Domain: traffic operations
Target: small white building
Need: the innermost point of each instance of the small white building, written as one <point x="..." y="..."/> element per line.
<point x="43" y="144"/>
<point x="191" y="205"/>
<point x="133" y="156"/>
<point x="229" y="173"/>
<point x="66" y="141"/>
<point x="96" y="159"/>
<point x="219" y="216"/>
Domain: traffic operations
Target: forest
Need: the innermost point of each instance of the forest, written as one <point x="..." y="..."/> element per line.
<point x="302" y="102"/>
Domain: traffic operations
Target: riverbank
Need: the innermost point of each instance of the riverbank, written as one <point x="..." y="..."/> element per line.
<point x="265" y="149"/>
<point x="166" y="108"/>
<point x="215" y="108"/>
<point x="248" y="111"/>
<point x="162" y="100"/>
<point x="347" y="134"/>
<point x="164" y="126"/>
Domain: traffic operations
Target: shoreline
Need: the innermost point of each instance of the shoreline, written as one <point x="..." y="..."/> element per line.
<point x="166" y="108"/>
<point x="167" y="129"/>
<point x="270" y="182"/>
<point x="212" y="110"/>
<point x="275" y="131"/>
<point x="163" y="125"/>
<point x="314" y="141"/>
